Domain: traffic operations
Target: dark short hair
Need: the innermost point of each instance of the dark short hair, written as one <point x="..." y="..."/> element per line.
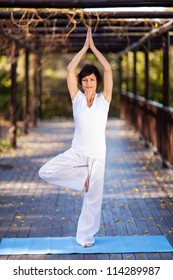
<point x="87" y="70"/>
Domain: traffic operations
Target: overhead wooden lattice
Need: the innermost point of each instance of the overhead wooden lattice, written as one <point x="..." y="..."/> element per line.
<point x="83" y="3"/>
<point x="64" y="30"/>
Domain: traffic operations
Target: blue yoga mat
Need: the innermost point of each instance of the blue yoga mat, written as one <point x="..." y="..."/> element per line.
<point x="68" y="245"/>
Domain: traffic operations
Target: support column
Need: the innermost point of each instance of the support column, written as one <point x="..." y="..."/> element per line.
<point x="147" y="120"/>
<point x="147" y="49"/>
<point x="120" y="73"/>
<point x="13" y="98"/>
<point x="127" y="72"/>
<point x="34" y="110"/>
<point x="26" y="115"/>
<point x="39" y="86"/>
<point x="134" y="73"/>
<point x="166" y="127"/>
<point x="166" y="44"/>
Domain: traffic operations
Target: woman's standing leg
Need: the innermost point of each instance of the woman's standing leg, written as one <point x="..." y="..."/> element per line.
<point x="89" y="220"/>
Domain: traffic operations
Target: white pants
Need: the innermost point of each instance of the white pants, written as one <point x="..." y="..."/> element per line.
<point x="72" y="170"/>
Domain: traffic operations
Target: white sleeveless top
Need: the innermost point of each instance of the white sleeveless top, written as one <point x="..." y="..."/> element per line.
<point x="90" y="124"/>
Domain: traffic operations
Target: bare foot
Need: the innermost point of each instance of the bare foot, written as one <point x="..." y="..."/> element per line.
<point x="88" y="245"/>
<point x="87" y="184"/>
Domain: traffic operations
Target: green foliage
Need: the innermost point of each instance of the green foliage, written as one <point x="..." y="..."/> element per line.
<point x="56" y="101"/>
<point x="155" y="75"/>
<point x="4" y="145"/>
<point x="5" y="87"/>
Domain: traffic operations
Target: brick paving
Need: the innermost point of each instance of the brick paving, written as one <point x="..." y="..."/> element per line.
<point x="138" y="194"/>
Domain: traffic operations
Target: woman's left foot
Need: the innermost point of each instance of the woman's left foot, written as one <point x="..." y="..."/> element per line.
<point x="88" y="245"/>
<point x="87" y="185"/>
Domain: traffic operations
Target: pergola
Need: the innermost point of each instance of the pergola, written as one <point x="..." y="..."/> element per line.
<point x="60" y="26"/>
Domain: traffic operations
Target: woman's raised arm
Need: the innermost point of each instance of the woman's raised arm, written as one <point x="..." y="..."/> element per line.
<point x="107" y="79"/>
<point x="71" y="76"/>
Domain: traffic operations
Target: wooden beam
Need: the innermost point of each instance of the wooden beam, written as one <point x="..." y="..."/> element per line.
<point x="83" y="3"/>
<point x="20" y="42"/>
<point x="18" y="14"/>
<point x="154" y="33"/>
<point x="106" y="38"/>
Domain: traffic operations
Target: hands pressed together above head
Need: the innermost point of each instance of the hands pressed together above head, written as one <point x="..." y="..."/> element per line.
<point x="89" y="43"/>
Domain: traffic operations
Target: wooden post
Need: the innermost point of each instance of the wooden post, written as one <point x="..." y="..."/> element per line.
<point x="134" y="73"/>
<point x="146" y="50"/>
<point x="35" y="92"/>
<point x="13" y="99"/>
<point x="166" y="140"/>
<point x="127" y="72"/>
<point x="39" y="86"/>
<point x="120" y="74"/>
<point x="26" y="94"/>
<point x="166" y="44"/>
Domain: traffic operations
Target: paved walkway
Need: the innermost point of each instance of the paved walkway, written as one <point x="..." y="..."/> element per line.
<point x="138" y="195"/>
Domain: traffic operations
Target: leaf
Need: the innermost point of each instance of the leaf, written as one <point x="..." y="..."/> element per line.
<point x="115" y="186"/>
<point x="25" y="167"/>
<point x="128" y="257"/>
<point x="135" y="189"/>
<point x="162" y="205"/>
<point x="143" y="180"/>
<point x="25" y="187"/>
<point x="18" y="217"/>
<point x="118" y="221"/>
<point x="143" y="168"/>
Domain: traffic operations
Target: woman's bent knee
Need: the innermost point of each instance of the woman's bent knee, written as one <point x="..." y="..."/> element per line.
<point x="41" y="173"/>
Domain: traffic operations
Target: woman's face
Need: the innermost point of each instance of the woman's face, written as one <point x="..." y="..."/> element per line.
<point x="89" y="84"/>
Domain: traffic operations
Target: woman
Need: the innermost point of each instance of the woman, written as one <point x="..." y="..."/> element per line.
<point x="83" y="165"/>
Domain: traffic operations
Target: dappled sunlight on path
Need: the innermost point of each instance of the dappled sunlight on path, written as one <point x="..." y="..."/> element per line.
<point x="138" y="193"/>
